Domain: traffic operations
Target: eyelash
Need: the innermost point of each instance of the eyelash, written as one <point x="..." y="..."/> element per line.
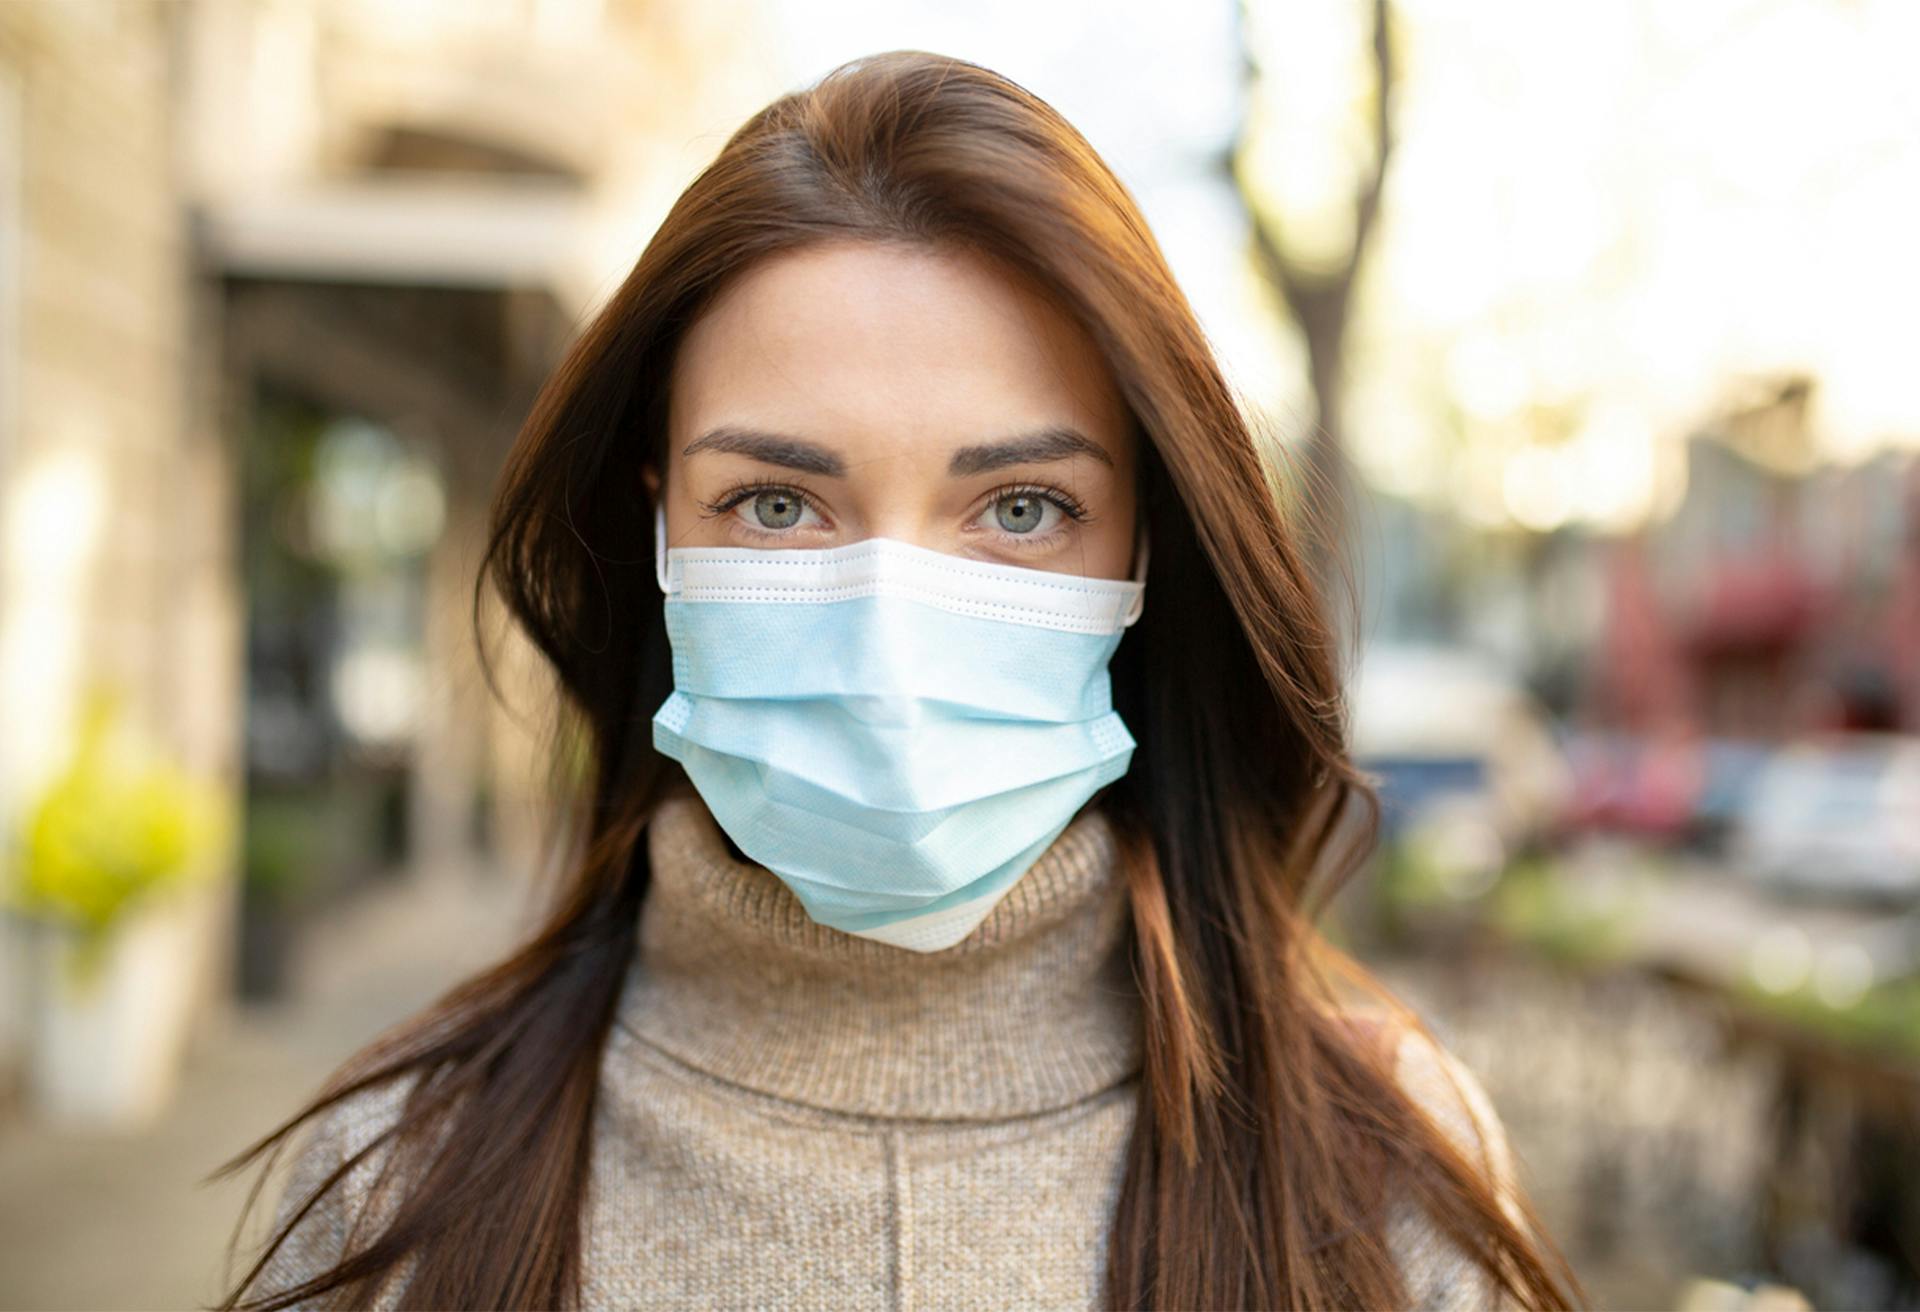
<point x="1069" y="506"/>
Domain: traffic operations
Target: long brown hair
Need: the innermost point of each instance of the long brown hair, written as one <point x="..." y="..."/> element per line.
<point x="1270" y="1132"/>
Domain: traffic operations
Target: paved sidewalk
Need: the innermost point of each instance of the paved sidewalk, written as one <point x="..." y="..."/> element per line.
<point x="121" y="1222"/>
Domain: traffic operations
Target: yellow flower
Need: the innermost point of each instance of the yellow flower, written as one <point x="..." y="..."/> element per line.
<point x="116" y="825"/>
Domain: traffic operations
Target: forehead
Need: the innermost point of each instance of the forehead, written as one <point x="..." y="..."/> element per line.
<point x="883" y="343"/>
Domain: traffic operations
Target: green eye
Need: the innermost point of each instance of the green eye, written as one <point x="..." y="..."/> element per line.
<point x="1021" y="512"/>
<point x="775" y="509"/>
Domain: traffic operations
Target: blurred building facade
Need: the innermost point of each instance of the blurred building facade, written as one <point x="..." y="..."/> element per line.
<point x="117" y="559"/>
<point x="278" y="283"/>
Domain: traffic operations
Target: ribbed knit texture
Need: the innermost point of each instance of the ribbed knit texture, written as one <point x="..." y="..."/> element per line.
<point x="796" y="1117"/>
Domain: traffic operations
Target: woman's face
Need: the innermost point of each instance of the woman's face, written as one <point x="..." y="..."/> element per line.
<point x="849" y="391"/>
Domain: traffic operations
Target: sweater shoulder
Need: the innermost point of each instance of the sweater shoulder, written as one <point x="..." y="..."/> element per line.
<point x="320" y="1237"/>
<point x="1449" y="1091"/>
<point x="1439" y="1274"/>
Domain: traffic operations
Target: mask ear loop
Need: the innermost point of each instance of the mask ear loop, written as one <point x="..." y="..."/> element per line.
<point x="660" y="547"/>
<point x="1139" y="602"/>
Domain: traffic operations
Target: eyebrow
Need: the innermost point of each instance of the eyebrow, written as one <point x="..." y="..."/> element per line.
<point x="1054" y="442"/>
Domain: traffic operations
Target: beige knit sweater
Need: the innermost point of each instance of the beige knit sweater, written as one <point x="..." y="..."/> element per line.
<point x="795" y="1117"/>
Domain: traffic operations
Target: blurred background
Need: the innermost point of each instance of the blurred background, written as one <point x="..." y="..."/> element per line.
<point x="1603" y="317"/>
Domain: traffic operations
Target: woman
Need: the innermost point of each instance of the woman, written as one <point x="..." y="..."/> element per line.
<point x="936" y="926"/>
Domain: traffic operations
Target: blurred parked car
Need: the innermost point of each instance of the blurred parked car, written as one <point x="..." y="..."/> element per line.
<point x="1628" y="783"/>
<point x="1836" y="816"/>
<point x="1464" y="753"/>
<point x="1734" y="767"/>
<point x="1677" y="787"/>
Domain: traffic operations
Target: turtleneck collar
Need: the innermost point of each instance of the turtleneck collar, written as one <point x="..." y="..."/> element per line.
<point x="1035" y="1009"/>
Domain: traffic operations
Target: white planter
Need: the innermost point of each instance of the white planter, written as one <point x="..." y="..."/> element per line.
<point x="104" y="1050"/>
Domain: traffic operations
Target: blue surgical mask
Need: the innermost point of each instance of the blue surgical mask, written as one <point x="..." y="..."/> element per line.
<point x="895" y="732"/>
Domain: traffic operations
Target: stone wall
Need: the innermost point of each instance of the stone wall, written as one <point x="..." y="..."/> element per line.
<point x="114" y="550"/>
